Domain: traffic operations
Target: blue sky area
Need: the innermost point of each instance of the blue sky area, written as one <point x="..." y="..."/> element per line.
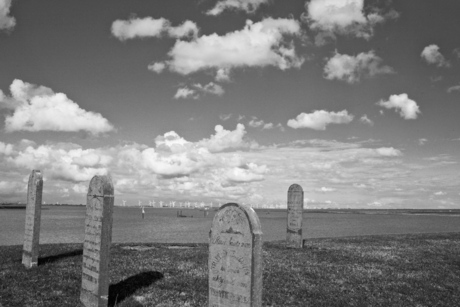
<point x="202" y="100"/>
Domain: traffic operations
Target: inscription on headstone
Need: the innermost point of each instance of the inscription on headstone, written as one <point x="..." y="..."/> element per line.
<point x="294" y="216"/>
<point x="235" y="257"/>
<point x="96" y="247"/>
<point x="33" y="214"/>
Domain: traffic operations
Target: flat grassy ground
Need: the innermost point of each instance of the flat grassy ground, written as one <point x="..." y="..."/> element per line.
<point x="390" y="270"/>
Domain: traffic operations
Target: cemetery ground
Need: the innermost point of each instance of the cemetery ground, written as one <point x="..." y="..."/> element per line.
<point x="385" y="270"/>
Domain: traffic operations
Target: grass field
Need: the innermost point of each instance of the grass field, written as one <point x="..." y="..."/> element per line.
<point x="390" y="270"/>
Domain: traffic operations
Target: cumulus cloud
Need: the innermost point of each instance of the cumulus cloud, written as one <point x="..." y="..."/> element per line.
<point x="6" y="22"/>
<point x="237" y="174"/>
<point x="249" y="6"/>
<point x="318" y="120"/>
<point x="259" y="123"/>
<point x="453" y="88"/>
<point x="226" y="139"/>
<point x="432" y="55"/>
<point x="211" y="88"/>
<point x="38" y="108"/>
<point x="150" y="27"/>
<point x="365" y="120"/>
<point x="6" y="149"/>
<point x="352" y="68"/>
<point x="256" y="45"/>
<point x="72" y="164"/>
<point x="389" y="152"/>
<point x="186" y="29"/>
<point x="157" y="67"/>
<point x="185" y="93"/>
<point x="408" y="108"/>
<point x="331" y="17"/>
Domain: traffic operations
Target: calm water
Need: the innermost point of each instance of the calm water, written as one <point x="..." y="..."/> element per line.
<point x="66" y="225"/>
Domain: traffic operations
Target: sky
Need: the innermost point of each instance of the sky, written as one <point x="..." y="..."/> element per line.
<point x="223" y="101"/>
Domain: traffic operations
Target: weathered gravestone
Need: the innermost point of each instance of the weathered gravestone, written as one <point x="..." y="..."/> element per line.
<point x="235" y="257"/>
<point x="294" y="216"/>
<point x="96" y="247"/>
<point x="33" y="214"/>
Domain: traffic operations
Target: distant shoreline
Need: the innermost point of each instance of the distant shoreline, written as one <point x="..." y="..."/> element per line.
<point x="452" y="212"/>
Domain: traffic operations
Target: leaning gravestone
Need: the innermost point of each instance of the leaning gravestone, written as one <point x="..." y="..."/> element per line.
<point x="235" y="257"/>
<point x="294" y="216"/>
<point x="96" y="247"/>
<point x="33" y="214"/>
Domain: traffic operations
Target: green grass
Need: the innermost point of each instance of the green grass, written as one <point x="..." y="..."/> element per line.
<point x="396" y="270"/>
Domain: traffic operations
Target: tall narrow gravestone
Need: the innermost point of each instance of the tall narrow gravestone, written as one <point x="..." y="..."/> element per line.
<point x="96" y="247"/>
<point x="235" y="257"/>
<point x="294" y="216"/>
<point x="33" y="214"/>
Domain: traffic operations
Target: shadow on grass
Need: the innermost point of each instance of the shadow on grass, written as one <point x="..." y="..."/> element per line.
<point x="125" y="288"/>
<point x="54" y="258"/>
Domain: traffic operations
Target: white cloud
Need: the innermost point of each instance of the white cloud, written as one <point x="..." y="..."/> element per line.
<point x="223" y="75"/>
<point x="408" y="108"/>
<point x="453" y="88"/>
<point x="150" y="27"/>
<point x="388" y="152"/>
<point x="249" y="6"/>
<point x="69" y="164"/>
<point x="225" y="139"/>
<point x="352" y="68"/>
<point x="157" y="67"/>
<point x="256" y="123"/>
<point x="332" y="17"/>
<point x="38" y="108"/>
<point x="325" y="189"/>
<point x="211" y="88"/>
<point x="440" y="193"/>
<point x="422" y="141"/>
<point x="185" y="93"/>
<point x="318" y="120"/>
<point x="365" y="120"/>
<point x="238" y="174"/>
<point x="138" y="27"/>
<point x="225" y="117"/>
<point x="6" y="22"/>
<point x="6" y="149"/>
<point x="256" y="45"/>
<point x="432" y="55"/>
<point x="267" y="126"/>
<point x="186" y="29"/>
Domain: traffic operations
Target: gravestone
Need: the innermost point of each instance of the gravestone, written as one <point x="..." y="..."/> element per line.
<point x="235" y="257"/>
<point x="96" y="247"/>
<point x="33" y="215"/>
<point x="294" y="216"/>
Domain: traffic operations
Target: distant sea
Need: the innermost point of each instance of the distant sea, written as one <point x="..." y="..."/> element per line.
<point x="65" y="224"/>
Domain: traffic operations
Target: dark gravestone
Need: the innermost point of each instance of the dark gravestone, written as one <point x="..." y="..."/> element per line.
<point x="98" y="237"/>
<point x="33" y="214"/>
<point x="235" y="257"/>
<point x="294" y="216"/>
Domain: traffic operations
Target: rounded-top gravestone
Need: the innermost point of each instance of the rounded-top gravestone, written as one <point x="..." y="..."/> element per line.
<point x="33" y="215"/>
<point x="235" y="257"/>
<point x="98" y="238"/>
<point x="294" y="216"/>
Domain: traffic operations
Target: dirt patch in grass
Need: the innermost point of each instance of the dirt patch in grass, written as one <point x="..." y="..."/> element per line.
<point x="400" y="270"/>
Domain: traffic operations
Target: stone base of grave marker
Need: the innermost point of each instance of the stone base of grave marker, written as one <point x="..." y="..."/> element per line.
<point x="33" y="215"/>
<point x="98" y="238"/>
<point x="235" y="257"/>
